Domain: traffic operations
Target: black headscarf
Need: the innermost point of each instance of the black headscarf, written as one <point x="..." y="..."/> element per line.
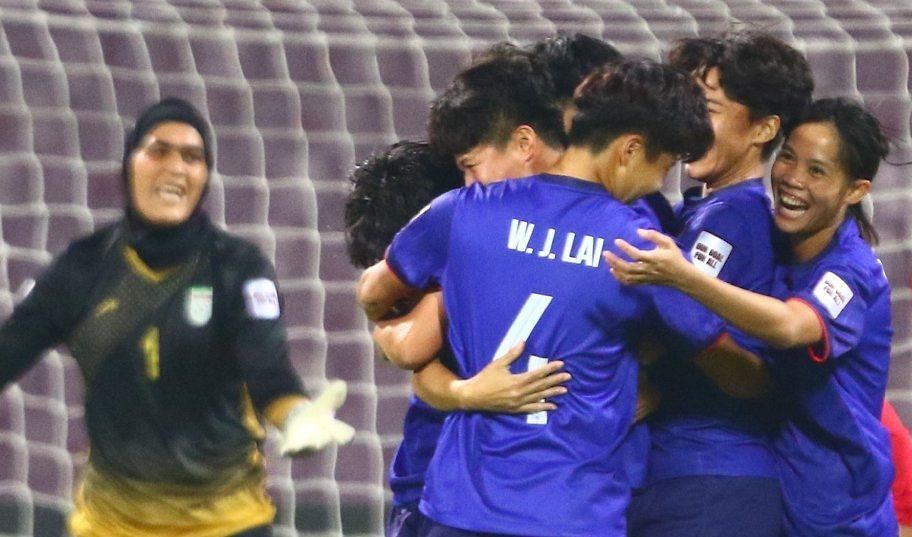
<point x="162" y="246"/>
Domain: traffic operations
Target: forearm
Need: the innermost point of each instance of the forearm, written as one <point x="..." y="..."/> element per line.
<point x="734" y="370"/>
<point x="379" y="289"/>
<point x="277" y="411"/>
<point x="411" y="341"/>
<point x="494" y="388"/>
<point x="780" y="324"/>
<point x="437" y="386"/>
<point x="24" y="338"/>
<point x="261" y="353"/>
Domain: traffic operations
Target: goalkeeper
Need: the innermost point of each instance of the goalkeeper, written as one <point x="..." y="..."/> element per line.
<point x="177" y="329"/>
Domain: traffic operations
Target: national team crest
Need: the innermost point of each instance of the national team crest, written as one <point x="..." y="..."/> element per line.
<point x="198" y="305"/>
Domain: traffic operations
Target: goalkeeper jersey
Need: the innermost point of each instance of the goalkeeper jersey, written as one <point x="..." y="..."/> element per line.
<point x="518" y="260"/>
<point x="175" y="363"/>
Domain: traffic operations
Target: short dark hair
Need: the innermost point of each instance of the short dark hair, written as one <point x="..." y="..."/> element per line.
<point x="663" y="104"/>
<point x="488" y="100"/>
<point x="568" y="59"/>
<point x="862" y="145"/>
<point x="756" y="69"/>
<point x="389" y="188"/>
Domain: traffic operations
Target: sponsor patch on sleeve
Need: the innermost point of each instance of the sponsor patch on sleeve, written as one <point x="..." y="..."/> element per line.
<point x="261" y="299"/>
<point x="709" y="253"/>
<point x="833" y="293"/>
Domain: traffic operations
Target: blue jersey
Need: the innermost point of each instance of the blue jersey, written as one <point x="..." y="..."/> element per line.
<point x="833" y="453"/>
<point x="699" y="430"/>
<point x="420" y="431"/>
<point x="521" y="260"/>
<point x="422" y="423"/>
<point x="660" y="215"/>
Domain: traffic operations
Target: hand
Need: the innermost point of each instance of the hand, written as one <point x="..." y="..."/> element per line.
<point x="311" y="425"/>
<point x="496" y="389"/>
<point x="663" y="265"/>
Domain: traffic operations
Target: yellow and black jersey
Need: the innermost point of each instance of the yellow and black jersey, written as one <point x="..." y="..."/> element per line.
<point x="175" y="361"/>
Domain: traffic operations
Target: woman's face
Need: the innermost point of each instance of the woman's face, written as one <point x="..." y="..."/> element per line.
<point x="810" y="187"/>
<point x="168" y="173"/>
<point x="731" y="155"/>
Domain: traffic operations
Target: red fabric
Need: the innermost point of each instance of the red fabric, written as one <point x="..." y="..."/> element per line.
<point x="901" y="443"/>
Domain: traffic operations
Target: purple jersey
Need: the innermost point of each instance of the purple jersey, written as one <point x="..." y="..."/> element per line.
<point x="521" y="260"/>
<point x="699" y="430"/>
<point x="833" y="453"/>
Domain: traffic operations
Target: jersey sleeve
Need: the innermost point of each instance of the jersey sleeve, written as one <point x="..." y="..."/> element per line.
<point x="656" y="210"/>
<point x="418" y="253"/>
<point x="837" y="299"/>
<point x="256" y="332"/>
<point x="715" y="243"/>
<point x="41" y="321"/>
<point x="691" y="322"/>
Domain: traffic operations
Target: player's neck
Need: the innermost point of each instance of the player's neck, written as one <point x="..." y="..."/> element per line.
<point x="546" y="159"/>
<point x="742" y="171"/>
<point x="576" y="162"/>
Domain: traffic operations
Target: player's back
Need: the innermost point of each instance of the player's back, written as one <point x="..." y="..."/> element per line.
<point x="524" y="261"/>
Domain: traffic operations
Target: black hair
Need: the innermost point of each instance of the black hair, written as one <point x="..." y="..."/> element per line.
<point x="862" y="145"/>
<point x="756" y="69"/>
<point x="661" y="103"/>
<point x="488" y="100"/>
<point x="568" y="59"/>
<point x="389" y="189"/>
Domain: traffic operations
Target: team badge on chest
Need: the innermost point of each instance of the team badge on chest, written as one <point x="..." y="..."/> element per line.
<point x="198" y="305"/>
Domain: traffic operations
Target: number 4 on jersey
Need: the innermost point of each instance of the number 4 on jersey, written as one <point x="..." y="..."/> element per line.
<point x="525" y="321"/>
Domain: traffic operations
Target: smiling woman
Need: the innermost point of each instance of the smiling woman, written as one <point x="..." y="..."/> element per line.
<point x="177" y="330"/>
<point x="829" y="318"/>
<point x="168" y="174"/>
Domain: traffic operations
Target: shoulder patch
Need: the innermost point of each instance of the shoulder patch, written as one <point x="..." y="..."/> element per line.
<point x="709" y="253"/>
<point x="833" y="293"/>
<point x="261" y="299"/>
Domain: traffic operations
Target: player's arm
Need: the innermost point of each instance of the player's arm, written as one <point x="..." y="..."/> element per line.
<point x="733" y="369"/>
<point x="494" y="388"/>
<point x="781" y="324"/>
<point x="412" y="340"/>
<point x="44" y="318"/>
<point x="379" y="289"/>
<point x="415" y="260"/>
<point x="255" y="333"/>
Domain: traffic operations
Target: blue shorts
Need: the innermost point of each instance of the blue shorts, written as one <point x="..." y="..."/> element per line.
<point x="406" y="521"/>
<point x="707" y="506"/>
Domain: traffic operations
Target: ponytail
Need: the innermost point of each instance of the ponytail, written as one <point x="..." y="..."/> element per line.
<point x="865" y="227"/>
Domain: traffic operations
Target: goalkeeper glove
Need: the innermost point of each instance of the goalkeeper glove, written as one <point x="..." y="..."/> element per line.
<point x="311" y="425"/>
